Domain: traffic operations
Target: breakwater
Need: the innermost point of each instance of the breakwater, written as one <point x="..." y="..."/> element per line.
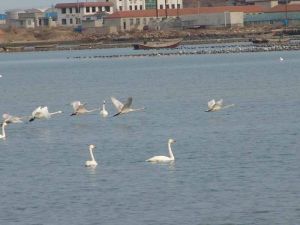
<point x="200" y="50"/>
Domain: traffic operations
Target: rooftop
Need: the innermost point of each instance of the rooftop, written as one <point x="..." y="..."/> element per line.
<point x="186" y="11"/>
<point x="82" y="4"/>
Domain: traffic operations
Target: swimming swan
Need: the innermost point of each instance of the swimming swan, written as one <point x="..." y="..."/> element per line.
<point x="164" y="158"/>
<point x="216" y="105"/>
<point x="92" y="162"/>
<point x="42" y="113"/>
<point x="123" y="108"/>
<point x="103" y="112"/>
<point x="79" y="109"/>
<point x="3" y="136"/>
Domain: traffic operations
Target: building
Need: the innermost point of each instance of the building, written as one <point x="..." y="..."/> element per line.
<point x="72" y="14"/>
<point x="190" y="17"/>
<point x="30" y="18"/>
<point x="279" y="15"/>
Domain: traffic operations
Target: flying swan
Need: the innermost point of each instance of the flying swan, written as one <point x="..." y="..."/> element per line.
<point x="164" y="158"/>
<point x="124" y="108"/>
<point x="103" y="112"/>
<point x="216" y="105"/>
<point x="79" y="109"/>
<point x="12" y="119"/>
<point x="42" y="113"/>
<point x="92" y="162"/>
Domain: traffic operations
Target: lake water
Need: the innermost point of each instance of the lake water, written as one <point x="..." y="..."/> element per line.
<point x="237" y="166"/>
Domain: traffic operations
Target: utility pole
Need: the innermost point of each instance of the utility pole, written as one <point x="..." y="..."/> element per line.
<point x="156" y="7"/>
<point x="286" y="15"/>
<point x="166" y="8"/>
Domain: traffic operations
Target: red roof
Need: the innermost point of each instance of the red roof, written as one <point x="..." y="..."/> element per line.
<point x="82" y="4"/>
<point x="185" y="11"/>
<point x="283" y="8"/>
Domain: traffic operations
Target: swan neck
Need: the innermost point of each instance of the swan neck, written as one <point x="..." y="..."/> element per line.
<point x="55" y="113"/>
<point x="3" y="131"/>
<point x="92" y="110"/>
<point x="103" y="107"/>
<point x="170" y="151"/>
<point x="92" y="155"/>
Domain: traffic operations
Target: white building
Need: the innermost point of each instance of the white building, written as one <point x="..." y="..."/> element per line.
<point x="72" y="14"/>
<point x="131" y="5"/>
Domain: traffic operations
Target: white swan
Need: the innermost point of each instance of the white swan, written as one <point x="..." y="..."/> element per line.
<point x="79" y="109"/>
<point x="42" y="113"/>
<point x="103" y="112"/>
<point x="3" y="136"/>
<point x="92" y="162"/>
<point x="123" y="108"/>
<point x="216" y="105"/>
<point x="164" y="158"/>
<point x="281" y="59"/>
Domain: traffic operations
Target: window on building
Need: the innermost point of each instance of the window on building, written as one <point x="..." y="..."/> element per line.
<point x="87" y="9"/>
<point x="135" y="7"/>
<point x="168" y="6"/>
<point x="99" y="9"/>
<point x="131" y="21"/>
<point x="77" y="10"/>
<point x="130" y="7"/>
<point x="77" y="20"/>
<point x="70" y="10"/>
<point x="63" y="21"/>
<point x="161" y="6"/>
<point x="150" y="4"/>
<point x="29" y="22"/>
<point x="124" y="25"/>
<point x="144" y="21"/>
<point x="71" y="21"/>
<point x="107" y="8"/>
<point x="93" y="9"/>
<point x="141" y="7"/>
<point x="63" y="11"/>
<point x="178" y="6"/>
<point x="120" y="8"/>
<point x="138" y="21"/>
<point x="173" y="6"/>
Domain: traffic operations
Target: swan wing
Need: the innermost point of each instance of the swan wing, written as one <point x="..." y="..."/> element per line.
<point x="37" y="111"/>
<point x="11" y="119"/>
<point x="75" y="105"/>
<point x="220" y="102"/>
<point x="128" y="103"/>
<point x="81" y="109"/>
<point x="211" y="103"/>
<point x="119" y="105"/>
<point x="6" y="116"/>
<point x="45" y="112"/>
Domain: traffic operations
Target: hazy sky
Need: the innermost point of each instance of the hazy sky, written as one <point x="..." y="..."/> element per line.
<point x="27" y="4"/>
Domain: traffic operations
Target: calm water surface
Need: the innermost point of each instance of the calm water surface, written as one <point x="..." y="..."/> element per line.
<point x="236" y="166"/>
